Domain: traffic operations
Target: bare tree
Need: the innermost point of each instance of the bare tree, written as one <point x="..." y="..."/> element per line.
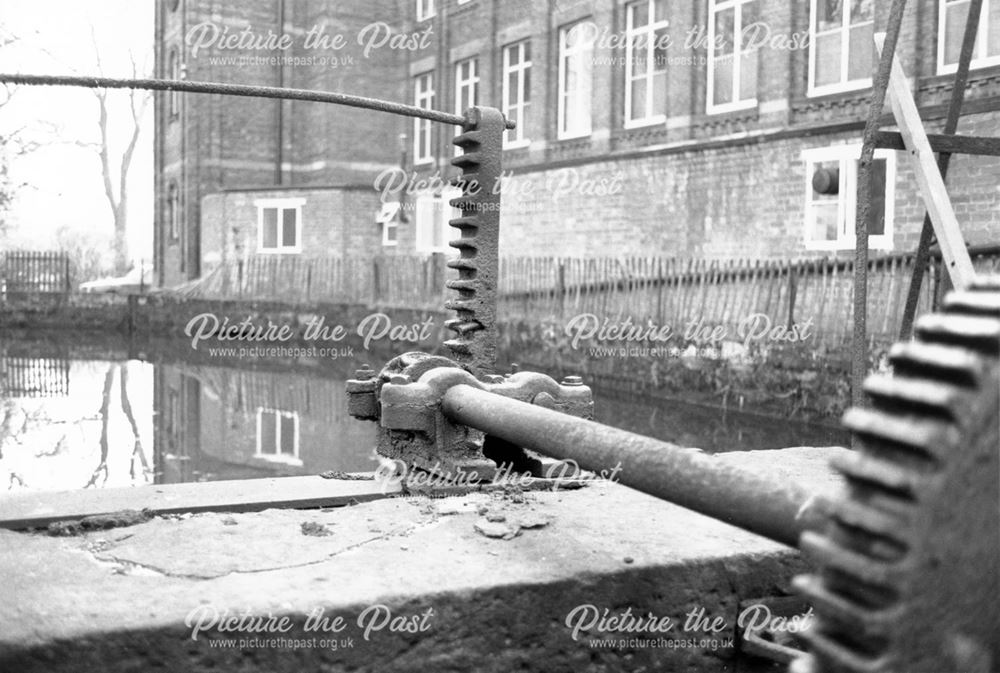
<point x="118" y="197"/>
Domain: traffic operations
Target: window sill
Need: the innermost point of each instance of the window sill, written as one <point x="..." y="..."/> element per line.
<point x="841" y="88"/>
<point x="644" y="123"/>
<point x="726" y="108"/>
<point x="279" y="251"/>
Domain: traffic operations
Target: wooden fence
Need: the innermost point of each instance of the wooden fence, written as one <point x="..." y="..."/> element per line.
<point x="389" y="281"/>
<point x="663" y="291"/>
<point x="680" y="293"/>
<point x="25" y="271"/>
<point x="34" y="377"/>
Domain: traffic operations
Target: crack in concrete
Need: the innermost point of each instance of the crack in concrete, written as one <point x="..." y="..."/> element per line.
<point x="111" y="558"/>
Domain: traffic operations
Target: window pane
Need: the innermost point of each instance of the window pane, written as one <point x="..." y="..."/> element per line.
<point x="638" y="110"/>
<point x="269" y="224"/>
<point x="661" y="47"/>
<point x="825" y="225"/>
<point x="861" y="56"/>
<point x="390" y="232"/>
<point x="876" y="218"/>
<point x="748" y="18"/>
<point x="660" y="94"/>
<point x="725" y="23"/>
<point x="287" y="434"/>
<point x="954" y="20"/>
<point x="748" y="75"/>
<point x="640" y="13"/>
<point x="659" y="10"/>
<point x="827" y="59"/>
<point x="829" y="14"/>
<point x="993" y="29"/>
<point x="527" y="84"/>
<point x="526" y="49"/>
<point x="288" y="228"/>
<point x="267" y="432"/>
<point x="639" y="60"/>
<point x="861" y="10"/>
<point x="511" y="84"/>
<point x="722" y="92"/>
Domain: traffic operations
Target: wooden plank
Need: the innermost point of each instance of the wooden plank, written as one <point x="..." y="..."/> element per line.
<point x="952" y="144"/>
<point x="39" y="509"/>
<point x="932" y="188"/>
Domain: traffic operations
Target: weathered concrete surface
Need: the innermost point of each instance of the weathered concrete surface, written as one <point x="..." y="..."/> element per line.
<point x="118" y="600"/>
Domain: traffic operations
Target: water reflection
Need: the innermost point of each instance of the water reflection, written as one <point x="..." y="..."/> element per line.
<point x="71" y="424"/>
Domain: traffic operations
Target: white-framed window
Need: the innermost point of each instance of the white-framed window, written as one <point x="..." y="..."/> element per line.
<point x="952" y="15"/>
<point x="278" y="436"/>
<point x="841" y="48"/>
<point x="279" y="225"/>
<point x="732" y="60"/>
<point x="173" y="211"/>
<point x="466" y="89"/>
<point x="576" y="49"/>
<point x="425" y="10"/>
<point x="831" y="188"/>
<point x="646" y="45"/>
<point x="423" y="97"/>
<point x="388" y="218"/>
<point x="432" y="214"/>
<point x="516" y="94"/>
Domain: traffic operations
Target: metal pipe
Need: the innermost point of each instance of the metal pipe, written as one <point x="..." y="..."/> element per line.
<point x="773" y="508"/>
<point x="944" y="160"/>
<point x="238" y="90"/>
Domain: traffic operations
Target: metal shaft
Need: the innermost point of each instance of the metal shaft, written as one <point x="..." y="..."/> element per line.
<point x="774" y="508"/>
<point x="238" y="90"/>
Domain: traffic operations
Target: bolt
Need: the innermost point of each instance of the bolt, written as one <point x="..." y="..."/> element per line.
<point x="399" y="379"/>
<point x="364" y="373"/>
<point x="572" y="381"/>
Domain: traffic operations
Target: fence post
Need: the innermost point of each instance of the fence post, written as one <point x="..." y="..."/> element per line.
<point x="561" y="288"/>
<point x="792" y="290"/>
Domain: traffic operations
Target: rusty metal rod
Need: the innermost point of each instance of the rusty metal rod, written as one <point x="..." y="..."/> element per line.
<point x="859" y="339"/>
<point x="773" y="508"/>
<point x="253" y="91"/>
<point x="922" y="257"/>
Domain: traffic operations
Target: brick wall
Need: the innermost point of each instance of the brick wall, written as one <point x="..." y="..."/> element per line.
<point x="336" y="222"/>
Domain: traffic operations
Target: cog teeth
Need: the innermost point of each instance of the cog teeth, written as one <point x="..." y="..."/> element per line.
<point x="884" y="473"/>
<point x="466" y="160"/>
<point x="463" y="327"/>
<point x="469" y="305"/>
<point x="923" y="435"/>
<point x="468" y="138"/>
<point x="464" y="243"/>
<point x="839" y="608"/>
<point x="843" y="655"/>
<point x="915" y="395"/>
<point x="985" y="283"/>
<point x="884" y="576"/>
<point x="947" y="363"/>
<point x="459" y="347"/>
<point x="973" y="303"/>
<point x="463" y="264"/>
<point x="979" y="334"/>
<point x="462" y="284"/>
<point x="465" y="222"/>
<point x="873" y="521"/>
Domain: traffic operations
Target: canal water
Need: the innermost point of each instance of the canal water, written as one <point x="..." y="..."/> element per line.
<point x="77" y="423"/>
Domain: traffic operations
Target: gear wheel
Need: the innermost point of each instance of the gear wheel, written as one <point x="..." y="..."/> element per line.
<point x="909" y="564"/>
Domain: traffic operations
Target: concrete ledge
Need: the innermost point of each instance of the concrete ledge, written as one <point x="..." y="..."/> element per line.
<point x="118" y="599"/>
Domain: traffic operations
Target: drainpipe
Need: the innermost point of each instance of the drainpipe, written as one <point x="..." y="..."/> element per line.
<point x="280" y="122"/>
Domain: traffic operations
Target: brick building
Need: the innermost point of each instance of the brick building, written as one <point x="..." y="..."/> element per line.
<point x="707" y="128"/>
